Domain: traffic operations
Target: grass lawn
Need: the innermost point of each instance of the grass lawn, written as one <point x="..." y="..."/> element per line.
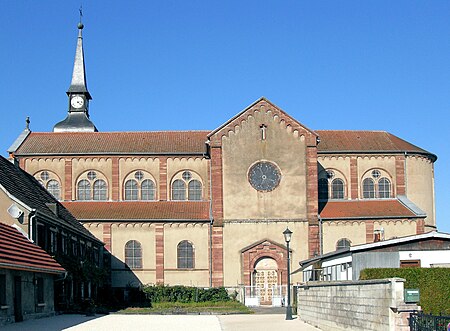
<point x="228" y="307"/>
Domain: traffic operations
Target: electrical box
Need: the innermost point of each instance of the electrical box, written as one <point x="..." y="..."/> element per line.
<point x="412" y="295"/>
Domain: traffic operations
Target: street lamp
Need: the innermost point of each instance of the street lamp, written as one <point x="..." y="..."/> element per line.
<point x="287" y="237"/>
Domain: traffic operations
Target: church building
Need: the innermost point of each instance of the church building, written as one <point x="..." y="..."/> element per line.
<point x="208" y="208"/>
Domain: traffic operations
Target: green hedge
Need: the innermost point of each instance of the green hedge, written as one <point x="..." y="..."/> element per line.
<point x="434" y="285"/>
<point x="161" y="293"/>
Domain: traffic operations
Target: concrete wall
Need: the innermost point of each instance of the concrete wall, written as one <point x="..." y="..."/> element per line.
<point x="354" y="305"/>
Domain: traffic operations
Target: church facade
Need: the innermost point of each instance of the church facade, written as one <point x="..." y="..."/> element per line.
<point x="208" y="208"/>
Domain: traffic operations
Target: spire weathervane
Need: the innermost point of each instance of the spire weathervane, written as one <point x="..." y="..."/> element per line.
<point x="80" y="25"/>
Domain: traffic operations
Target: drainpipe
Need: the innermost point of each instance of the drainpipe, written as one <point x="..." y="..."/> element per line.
<point x="405" y="176"/>
<point x="31" y="217"/>
<point x="320" y="236"/>
<point x="211" y="220"/>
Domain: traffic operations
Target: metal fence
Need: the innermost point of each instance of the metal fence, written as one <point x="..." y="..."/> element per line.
<point x="424" y="322"/>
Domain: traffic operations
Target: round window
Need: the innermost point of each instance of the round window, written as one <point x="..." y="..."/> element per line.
<point x="264" y="176"/>
<point x="376" y="174"/>
<point x="186" y="175"/>
<point x="45" y="175"/>
<point x="139" y="175"/>
<point x="91" y="175"/>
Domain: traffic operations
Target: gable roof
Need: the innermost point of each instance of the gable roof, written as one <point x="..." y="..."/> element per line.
<point x="344" y="141"/>
<point x="114" y="143"/>
<point x="360" y="209"/>
<point x="17" y="252"/>
<point x="140" y="210"/>
<point x="25" y="188"/>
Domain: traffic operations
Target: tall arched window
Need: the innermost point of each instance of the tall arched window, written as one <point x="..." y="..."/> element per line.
<point x="384" y="188"/>
<point x="323" y="189"/>
<point x="53" y="188"/>
<point x="185" y="255"/>
<point x="131" y="190"/>
<point x="92" y="186"/>
<point x="100" y="190"/>
<point x="84" y="190"/>
<point x="187" y="186"/>
<point x="337" y="189"/>
<point x="343" y="244"/>
<point x="377" y="185"/>
<point x="368" y="188"/>
<point x="147" y="190"/>
<point x="178" y="190"/>
<point x="133" y="254"/>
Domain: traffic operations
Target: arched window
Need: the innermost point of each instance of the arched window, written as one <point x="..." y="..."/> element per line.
<point x="84" y="190"/>
<point x="195" y="190"/>
<point x="100" y="190"/>
<point x="331" y="185"/>
<point x="384" y="188"/>
<point x="323" y="189"/>
<point x="131" y="190"/>
<point x="50" y="181"/>
<point x="92" y="186"/>
<point x="337" y="189"/>
<point x="187" y="186"/>
<point x="147" y="190"/>
<point x="343" y="244"/>
<point x="178" y="190"/>
<point x="368" y="188"/>
<point x="185" y="255"/>
<point x="53" y="188"/>
<point x="133" y="254"/>
<point x="376" y="185"/>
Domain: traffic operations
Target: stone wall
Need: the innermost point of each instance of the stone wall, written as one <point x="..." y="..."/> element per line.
<point x="355" y="305"/>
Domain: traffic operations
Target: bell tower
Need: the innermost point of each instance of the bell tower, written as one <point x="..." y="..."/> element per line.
<point x="77" y="119"/>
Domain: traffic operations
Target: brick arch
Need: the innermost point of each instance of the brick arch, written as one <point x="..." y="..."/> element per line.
<point x="264" y="249"/>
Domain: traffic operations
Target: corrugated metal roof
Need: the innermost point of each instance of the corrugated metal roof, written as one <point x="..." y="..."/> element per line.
<point x="17" y="252"/>
<point x="359" y="209"/>
<point x="140" y="210"/>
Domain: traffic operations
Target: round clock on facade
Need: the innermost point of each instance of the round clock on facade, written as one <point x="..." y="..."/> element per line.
<point x="77" y="102"/>
<point x="264" y="176"/>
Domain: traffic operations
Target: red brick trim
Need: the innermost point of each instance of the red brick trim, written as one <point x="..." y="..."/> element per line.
<point x="22" y="163"/>
<point x="217" y="185"/>
<point x="217" y="256"/>
<point x="313" y="240"/>
<point x="159" y="250"/>
<point x="400" y="182"/>
<point x="163" y="179"/>
<point x="353" y="177"/>
<point x="268" y="249"/>
<point x="107" y="236"/>
<point x="115" y="178"/>
<point x="311" y="185"/>
<point x="369" y="231"/>
<point x="420" y="226"/>
<point x="68" y="180"/>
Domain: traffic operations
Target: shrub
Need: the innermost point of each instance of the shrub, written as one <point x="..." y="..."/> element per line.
<point x="434" y="285"/>
<point x="161" y="293"/>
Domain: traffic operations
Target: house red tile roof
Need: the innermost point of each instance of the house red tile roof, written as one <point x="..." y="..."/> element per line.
<point x="139" y="210"/>
<point x="355" y="209"/>
<point x="364" y="141"/>
<point x="17" y="252"/>
<point x="129" y="143"/>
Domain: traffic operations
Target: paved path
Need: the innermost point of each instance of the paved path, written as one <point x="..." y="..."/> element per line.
<point x="116" y="322"/>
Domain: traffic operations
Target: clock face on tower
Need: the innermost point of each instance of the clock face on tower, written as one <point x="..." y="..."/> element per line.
<point x="77" y="102"/>
<point x="264" y="176"/>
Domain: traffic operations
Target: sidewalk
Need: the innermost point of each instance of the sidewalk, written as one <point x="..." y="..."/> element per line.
<point x="116" y="322"/>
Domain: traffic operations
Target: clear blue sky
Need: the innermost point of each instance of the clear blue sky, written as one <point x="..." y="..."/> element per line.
<point x="182" y="65"/>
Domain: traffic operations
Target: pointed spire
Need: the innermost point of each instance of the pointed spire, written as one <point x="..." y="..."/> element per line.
<point x="78" y="84"/>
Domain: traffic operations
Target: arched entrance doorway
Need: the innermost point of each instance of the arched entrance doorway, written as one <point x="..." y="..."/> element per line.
<point x="265" y="279"/>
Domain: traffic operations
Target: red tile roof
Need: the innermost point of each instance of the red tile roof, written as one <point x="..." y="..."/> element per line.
<point x="138" y="210"/>
<point x="17" y="252"/>
<point x="364" y="141"/>
<point x="129" y="143"/>
<point x="355" y="209"/>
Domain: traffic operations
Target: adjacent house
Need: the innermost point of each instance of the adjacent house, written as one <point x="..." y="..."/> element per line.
<point x="27" y="277"/>
<point x="28" y="206"/>
<point x="427" y="250"/>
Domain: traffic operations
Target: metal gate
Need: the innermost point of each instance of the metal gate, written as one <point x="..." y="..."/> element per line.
<point x="424" y="322"/>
